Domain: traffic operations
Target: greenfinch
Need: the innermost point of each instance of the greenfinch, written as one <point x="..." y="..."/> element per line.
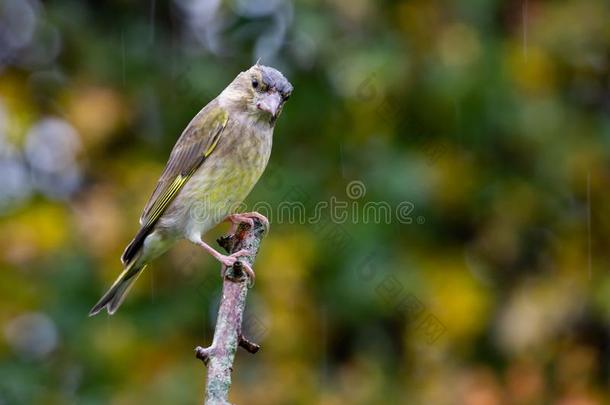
<point x="212" y="168"/>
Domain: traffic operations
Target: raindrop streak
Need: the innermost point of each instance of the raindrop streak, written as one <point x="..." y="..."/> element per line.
<point x="153" y="6"/>
<point x="589" y="221"/>
<point x="152" y="285"/>
<point x="342" y="160"/>
<point x="524" y="12"/>
<point x="458" y="119"/>
<point x="324" y="359"/>
<point x="123" y="55"/>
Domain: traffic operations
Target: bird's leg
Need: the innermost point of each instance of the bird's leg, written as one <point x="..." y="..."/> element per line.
<point x="229" y="260"/>
<point x="246" y="217"/>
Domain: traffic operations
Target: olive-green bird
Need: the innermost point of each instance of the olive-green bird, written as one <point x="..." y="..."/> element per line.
<point x="212" y="168"/>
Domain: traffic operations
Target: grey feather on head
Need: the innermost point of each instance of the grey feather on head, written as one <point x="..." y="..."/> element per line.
<point x="274" y="79"/>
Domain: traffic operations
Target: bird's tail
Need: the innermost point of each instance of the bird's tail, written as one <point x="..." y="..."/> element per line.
<point x="114" y="297"/>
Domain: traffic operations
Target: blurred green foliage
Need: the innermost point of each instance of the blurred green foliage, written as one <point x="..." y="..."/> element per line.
<point x="489" y="121"/>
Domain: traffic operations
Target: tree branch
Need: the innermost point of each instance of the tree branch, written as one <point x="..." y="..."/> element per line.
<point x="227" y="337"/>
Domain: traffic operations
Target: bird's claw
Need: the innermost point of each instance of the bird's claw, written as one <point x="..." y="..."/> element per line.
<point x="229" y="261"/>
<point x="247" y="218"/>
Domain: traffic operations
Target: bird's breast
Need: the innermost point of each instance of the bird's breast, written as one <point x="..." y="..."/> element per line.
<point x="225" y="179"/>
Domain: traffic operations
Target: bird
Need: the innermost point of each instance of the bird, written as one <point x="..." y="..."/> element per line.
<point x="215" y="163"/>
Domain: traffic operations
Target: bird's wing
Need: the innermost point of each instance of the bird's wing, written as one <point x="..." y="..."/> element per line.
<point x="193" y="147"/>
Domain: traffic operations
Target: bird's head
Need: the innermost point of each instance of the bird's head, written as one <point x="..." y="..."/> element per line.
<point x="260" y="91"/>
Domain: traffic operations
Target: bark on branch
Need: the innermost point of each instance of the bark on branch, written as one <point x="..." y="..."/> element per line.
<point x="228" y="336"/>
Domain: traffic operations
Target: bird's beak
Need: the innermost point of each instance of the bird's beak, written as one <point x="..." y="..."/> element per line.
<point x="270" y="102"/>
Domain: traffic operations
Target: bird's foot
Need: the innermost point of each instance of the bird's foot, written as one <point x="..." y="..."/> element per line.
<point x="231" y="261"/>
<point x="247" y="218"/>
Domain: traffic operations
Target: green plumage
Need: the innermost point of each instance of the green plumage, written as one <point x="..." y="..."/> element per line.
<point x="195" y="144"/>
<point x="212" y="168"/>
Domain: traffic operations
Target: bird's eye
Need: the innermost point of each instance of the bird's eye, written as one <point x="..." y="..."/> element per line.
<point x="255" y="83"/>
